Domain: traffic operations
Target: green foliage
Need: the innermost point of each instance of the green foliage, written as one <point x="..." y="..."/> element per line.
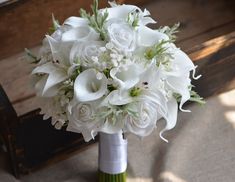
<point x="170" y="31"/>
<point x="97" y="20"/>
<point x="156" y="50"/>
<point x="112" y="177"/>
<point x="194" y="97"/>
<point x="159" y="51"/>
<point x="133" y="18"/>
<point x="135" y="91"/>
<point x="55" y="25"/>
<point x="32" y="58"/>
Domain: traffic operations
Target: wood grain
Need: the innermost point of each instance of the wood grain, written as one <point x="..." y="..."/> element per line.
<point x="24" y="23"/>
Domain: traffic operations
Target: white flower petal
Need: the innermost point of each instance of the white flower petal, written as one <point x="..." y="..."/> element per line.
<point x="81" y="33"/>
<point x="55" y="76"/>
<point x="149" y="37"/>
<point x="75" y="21"/>
<point x="171" y="116"/>
<point x="180" y="85"/>
<point x="120" y="12"/>
<point x="88" y="87"/>
<point x="111" y="128"/>
<point x="60" y="51"/>
<point x="117" y="98"/>
<point x="126" y="77"/>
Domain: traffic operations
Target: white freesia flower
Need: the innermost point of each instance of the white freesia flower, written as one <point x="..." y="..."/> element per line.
<point x="90" y="85"/>
<point x="121" y="35"/>
<point x="82" y="119"/>
<point x="86" y="52"/>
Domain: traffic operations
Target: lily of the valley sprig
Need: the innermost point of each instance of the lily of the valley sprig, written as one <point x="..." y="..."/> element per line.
<point x="108" y="71"/>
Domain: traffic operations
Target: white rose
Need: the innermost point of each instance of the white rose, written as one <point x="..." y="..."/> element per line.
<point x="121" y="34"/>
<point x="86" y="52"/>
<point x="82" y="120"/>
<point x="144" y="124"/>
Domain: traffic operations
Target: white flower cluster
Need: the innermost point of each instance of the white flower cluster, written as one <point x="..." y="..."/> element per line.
<point x="110" y="72"/>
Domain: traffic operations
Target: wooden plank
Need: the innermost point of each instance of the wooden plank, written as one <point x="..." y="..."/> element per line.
<point x="215" y="60"/>
<point x="206" y="36"/>
<point x="195" y="16"/>
<point x="24" y="23"/>
<point x="15" y="78"/>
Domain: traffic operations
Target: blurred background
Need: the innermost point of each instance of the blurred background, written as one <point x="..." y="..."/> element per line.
<point x="202" y="146"/>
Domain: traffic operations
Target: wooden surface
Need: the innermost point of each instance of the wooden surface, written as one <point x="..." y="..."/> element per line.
<point x="201" y="21"/>
<point x="25" y="22"/>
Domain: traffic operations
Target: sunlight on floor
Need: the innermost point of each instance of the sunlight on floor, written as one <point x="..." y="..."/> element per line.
<point x="230" y="116"/>
<point x="228" y="99"/>
<point x="171" y="177"/>
<point x="209" y="50"/>
<point x="139" y="180"/>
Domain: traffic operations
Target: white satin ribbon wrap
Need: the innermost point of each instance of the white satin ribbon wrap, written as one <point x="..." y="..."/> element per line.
<point x="112" y="153"/>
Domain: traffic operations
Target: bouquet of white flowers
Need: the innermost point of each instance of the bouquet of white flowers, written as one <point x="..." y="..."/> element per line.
<point x="108" y="72"/>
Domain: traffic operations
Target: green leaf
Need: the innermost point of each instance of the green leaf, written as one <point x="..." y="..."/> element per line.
<point x="97" y="20"/>
<point x="170" y="31"/>
<point x="156" y="50"/>
<point x="55" y="25"/>
<point x="194" y="97"/>
<point x="33" y="58"/>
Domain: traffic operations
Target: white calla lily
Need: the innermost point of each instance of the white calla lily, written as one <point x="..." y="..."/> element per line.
<point x="170" y="117"/>
<point x="180" y="85"/>
<point x="90" y="85"/>
<point x="81" y="33"/>
<point x="149" y="37"/>
<point x="126" y="77"/>
<point x="76" y="21"/>
<point x="123" y="11"/>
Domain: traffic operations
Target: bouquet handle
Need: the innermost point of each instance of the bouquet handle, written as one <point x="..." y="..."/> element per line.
<point x="112" y="157"/>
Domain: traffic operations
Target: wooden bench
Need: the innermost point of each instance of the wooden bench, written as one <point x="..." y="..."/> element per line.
<point x="207" y="35"/>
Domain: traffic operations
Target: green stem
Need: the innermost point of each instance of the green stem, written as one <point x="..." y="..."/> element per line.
<point x="104" y="177"/>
